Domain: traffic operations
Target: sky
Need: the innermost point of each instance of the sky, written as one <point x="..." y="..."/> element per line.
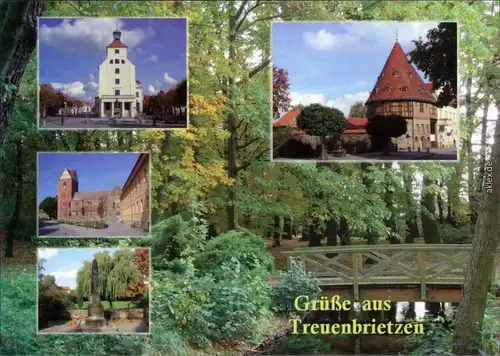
<point x="64" y="263"/>
<point x="70" y="51"/>
<point x="95" y="171"/>
<point x="337" y="64"/>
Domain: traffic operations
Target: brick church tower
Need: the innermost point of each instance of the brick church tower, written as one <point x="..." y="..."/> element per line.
<point x="67" y="186"/>
<point x="400" y="90"/>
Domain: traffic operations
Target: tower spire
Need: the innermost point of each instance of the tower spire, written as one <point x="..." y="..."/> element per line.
<point x="396" y="34"/>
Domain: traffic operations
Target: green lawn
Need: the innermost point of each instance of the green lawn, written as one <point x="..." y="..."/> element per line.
<point x="121" y="304"/>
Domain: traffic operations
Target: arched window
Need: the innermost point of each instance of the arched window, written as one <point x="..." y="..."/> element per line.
<point x="403" y="89"/>
<point x="387" y="89"/>
<point x="396" y="73"/>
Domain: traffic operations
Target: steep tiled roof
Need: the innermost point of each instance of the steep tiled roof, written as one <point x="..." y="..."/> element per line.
<point x="117" y="44"/>
<point x="72" y="173"/>
<point x="287" y="118"/>
<point x="400" y="81"/>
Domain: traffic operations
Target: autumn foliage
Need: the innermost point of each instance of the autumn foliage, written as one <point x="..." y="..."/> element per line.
<point x="281" y="98"/>
<point x="141" y="261"/>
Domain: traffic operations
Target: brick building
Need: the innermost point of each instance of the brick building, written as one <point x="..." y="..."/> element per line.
<point x="134" y="200"/>
<point x="106" y="205"/>
<point x="399" y="90"/>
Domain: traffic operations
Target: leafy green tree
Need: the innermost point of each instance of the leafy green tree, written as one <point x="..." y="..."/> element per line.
<point x="49" y="205"/>
<point x="47" y="282"/>
<point x="357" y="109"/>
<point x="436" y="56"/>
<point x="322" y="121"/>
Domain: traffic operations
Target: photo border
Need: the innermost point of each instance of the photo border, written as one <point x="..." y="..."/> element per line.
<point x="458" y="115"/>
<point x="150" y="190"/>
<point x="38" y="119"/>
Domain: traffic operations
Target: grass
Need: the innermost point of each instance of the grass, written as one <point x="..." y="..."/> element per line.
<point x="120" y="304"/>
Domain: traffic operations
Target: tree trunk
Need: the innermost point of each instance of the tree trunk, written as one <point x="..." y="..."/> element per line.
<point x="18" y="186"/>
<point x="277" y="231"/>
<point x="429" y="223"/>
<point x="17" y="39"/>
<point x="287" y="228"/>
<point x="345" y="239"/>
<point x="232" y="141"/>
<point x="323" y="153"/>
<point x="440" y="203"/>
<point x="331" y="235"/>
<point x="315" y="234"/>
<point x="484" y="247"/>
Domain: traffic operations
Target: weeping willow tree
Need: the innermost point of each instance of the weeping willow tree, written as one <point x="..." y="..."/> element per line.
<point x="116" y="272"/>
<point x="124" y="272"/>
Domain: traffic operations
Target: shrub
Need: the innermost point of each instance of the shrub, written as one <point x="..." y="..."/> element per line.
<point x="174" y="238"/>
<point x="53" y="305"/>
<point x="455" y="235"/>
<point x="292" y="284"/>
<point x="211" y="307"/>
<point x="249" y="249"/>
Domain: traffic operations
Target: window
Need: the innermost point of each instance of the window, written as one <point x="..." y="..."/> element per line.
<point x="117" y="81"/>
<point x="117" y="51"/>
<point x="136" y="94"/>
<point x="418" y="127"/>
<point x="427" y="128"/>
<point x="396" y="72"/>
<point x="421" y="107"/>
<point x="111" y="61"/>
<point x="117" y="70"/>
<point x="403" y="89"/>
<point x="64" y="184"/>
<point x="387" y="89"/>
<point x="117" y="92"/>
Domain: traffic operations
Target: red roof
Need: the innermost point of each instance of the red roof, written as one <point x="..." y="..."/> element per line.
<point x="354" y="125"/>
<point x="116" y="44"/>
<point x="400" y="81"/>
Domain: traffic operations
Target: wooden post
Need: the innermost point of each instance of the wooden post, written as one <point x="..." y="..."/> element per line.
<point x="421" y="274"/>
<point x="355" y="275"/>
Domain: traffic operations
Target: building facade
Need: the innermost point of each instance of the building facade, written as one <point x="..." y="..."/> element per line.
<point x="129" y="204"/>
<point x="447" y="126"/>
<point x="400" y="91"/>
<point x="76" y="206"/>
<point x="120" y="94"/>
<point x="134" y="200"/>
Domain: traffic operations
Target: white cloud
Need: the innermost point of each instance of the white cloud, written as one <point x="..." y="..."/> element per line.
<point x="168" y="79"/>
<point x="75" y="89"/>
<point x="91" y="77"/>
<point x="89" y="34"/>
<point x="343" y="103"/>
<point x="325" y="41"/>
<point x="65" y="278"/>
<point x="152" y="58"/>
<point x="306" y="98"/>
<point x="47" y="253"/>
<point x="381" y="33"/>
<point x="151" y="89"/>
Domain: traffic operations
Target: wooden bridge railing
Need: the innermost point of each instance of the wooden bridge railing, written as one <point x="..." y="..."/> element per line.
<point x="402" y="264"/>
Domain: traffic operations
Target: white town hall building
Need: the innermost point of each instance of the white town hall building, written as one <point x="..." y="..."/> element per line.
<point x="120" y="94"/>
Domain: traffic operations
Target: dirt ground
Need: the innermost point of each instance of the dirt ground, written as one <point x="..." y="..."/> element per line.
<point x="24" y="252"/>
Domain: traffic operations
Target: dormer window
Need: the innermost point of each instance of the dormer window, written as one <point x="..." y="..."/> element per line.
<point x="117" y="61"/>
<point x="123" y="61"/>
<point x="403" y="89"/>
<point x="396" y="73"/>
<point x="117" y="51"/>
<point x="387" y="89"/>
